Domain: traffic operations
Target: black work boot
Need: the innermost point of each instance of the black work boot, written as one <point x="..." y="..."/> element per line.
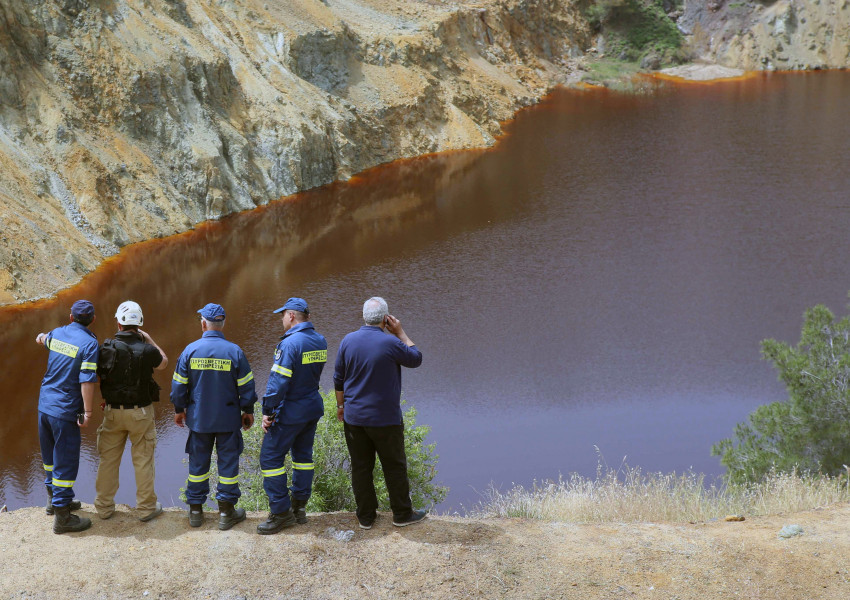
<point x="299" y="507"/>
<point x="196" y="515"/>
<point x="65" y="522"/>
<point x="75" y="504"/>
<point x="276" y="522"/>
<point x="229" y="516"/>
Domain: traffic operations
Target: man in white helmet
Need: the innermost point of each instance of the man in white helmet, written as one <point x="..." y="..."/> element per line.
<point x="125" y="368"/>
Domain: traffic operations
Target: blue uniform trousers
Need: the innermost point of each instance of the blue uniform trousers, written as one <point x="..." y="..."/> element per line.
<point x="280" y="439"/>
<point x="60" y="455"/>
<point x="199" y="447"/>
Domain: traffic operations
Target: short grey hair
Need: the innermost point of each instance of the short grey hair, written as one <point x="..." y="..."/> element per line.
<point x="214" y="325"/>
<point x="374" y="310"/>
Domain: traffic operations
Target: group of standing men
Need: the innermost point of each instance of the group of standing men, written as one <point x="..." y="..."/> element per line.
<point x="213" y="393"/>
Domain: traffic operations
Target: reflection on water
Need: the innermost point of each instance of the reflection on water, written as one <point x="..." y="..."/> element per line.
<point x="602" y="278"/>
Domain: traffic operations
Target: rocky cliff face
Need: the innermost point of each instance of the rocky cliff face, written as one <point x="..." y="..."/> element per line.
<point x="780" y="35"/>
<point x="124" y="120"/>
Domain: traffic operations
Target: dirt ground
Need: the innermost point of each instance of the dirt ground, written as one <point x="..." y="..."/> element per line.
<point x="442" y="558"/>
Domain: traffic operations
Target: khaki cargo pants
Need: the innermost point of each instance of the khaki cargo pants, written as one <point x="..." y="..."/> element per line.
<point x="119" y="424"/>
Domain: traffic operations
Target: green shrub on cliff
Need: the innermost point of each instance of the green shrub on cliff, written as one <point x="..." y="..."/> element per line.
<point x="810" y="430"/>
<point x="633" y="29"/>
<point x="332" y="481"/>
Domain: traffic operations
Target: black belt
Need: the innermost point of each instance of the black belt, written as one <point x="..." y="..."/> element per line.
<point x="128" y="406"/>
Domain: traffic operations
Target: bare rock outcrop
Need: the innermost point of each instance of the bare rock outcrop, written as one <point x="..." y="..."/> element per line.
<point x="778" y="35"/>
<point x="125" y="120"/>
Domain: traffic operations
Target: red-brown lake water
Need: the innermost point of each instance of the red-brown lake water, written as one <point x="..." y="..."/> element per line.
<point x="599" y="280"/>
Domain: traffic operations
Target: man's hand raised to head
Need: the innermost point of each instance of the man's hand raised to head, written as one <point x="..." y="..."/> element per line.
<point x="393" y="325"/>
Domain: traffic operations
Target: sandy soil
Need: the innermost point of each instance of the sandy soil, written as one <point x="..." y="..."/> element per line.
<point x="444" y="557"/>
<point x="702" y="72"/>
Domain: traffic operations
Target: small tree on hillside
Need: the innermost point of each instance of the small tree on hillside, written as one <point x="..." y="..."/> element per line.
<point x="810" y="430"/>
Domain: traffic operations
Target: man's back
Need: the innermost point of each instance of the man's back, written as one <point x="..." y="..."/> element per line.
<point x="72" y="360"/>
<point x="300" y="358"/>
<point x="368" y="367"/>
<point x="211" y="382"/>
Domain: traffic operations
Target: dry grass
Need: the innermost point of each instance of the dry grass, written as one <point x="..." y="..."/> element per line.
<point x="627" y="495"/>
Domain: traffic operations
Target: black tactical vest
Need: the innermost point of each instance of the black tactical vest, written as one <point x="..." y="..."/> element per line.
<point x="122" y="381"/>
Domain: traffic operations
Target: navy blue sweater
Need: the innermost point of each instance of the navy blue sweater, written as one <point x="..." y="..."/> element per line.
<point x="368" y="371"/>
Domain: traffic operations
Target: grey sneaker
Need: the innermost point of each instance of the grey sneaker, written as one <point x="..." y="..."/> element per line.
<point x="152" y="514"/>
<point x="365" y="523"/>
<point x="415" y="517"/>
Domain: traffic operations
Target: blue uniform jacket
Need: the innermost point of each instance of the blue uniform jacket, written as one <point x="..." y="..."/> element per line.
<point x="72" y="361"/>
<point x="292" y="392"/>
<point x="214" y="384"/>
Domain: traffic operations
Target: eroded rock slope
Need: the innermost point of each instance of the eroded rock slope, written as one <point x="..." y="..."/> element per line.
<point x="124" y="120"/>
<point x="780" y="35"/>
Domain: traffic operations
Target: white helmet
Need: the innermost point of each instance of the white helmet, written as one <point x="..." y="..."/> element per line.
<point x="129" y="313"/>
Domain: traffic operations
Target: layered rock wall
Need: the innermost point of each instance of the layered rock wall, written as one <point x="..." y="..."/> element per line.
<point x="780" y="35"/>
<point x="124" y="120"/>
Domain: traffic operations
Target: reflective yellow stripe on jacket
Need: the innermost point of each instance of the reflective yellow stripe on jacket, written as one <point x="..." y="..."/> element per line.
<point x="282" y="370"/>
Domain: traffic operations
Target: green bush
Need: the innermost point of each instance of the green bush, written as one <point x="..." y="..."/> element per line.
<point x="598" y="13"/>
<point x="634" y="28"/>
<point x="810" y="431"/>
<point x="332" y="480"/>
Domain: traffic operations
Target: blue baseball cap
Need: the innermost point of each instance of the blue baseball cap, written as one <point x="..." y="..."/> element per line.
<point x="298" y="304"/>
<point x="212" y="312"/>
<point x="82" y="308"/>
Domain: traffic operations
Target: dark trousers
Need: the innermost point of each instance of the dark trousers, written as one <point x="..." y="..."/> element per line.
<point x="60" y="455"/>
<point x="388" y="442"/>
<point x="199" y="447"/>
<point x="280" y="439"/>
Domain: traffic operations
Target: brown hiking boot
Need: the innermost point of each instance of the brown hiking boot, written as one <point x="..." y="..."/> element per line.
<point x="75" y="504"/>
<point x="196" y="515"/>
<point x="229" y="516"/>
<point x="65" y="522"/>
<point x="299" y="507"/>
<point x="276" y="522"/>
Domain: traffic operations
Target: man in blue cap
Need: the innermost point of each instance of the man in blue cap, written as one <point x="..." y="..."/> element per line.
<point x="213" y="394"/>
<point x="292" y="406"/>
<point x="64" y="407"/>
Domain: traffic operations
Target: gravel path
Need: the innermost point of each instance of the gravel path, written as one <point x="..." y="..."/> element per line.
<point x="443" y="558"/>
